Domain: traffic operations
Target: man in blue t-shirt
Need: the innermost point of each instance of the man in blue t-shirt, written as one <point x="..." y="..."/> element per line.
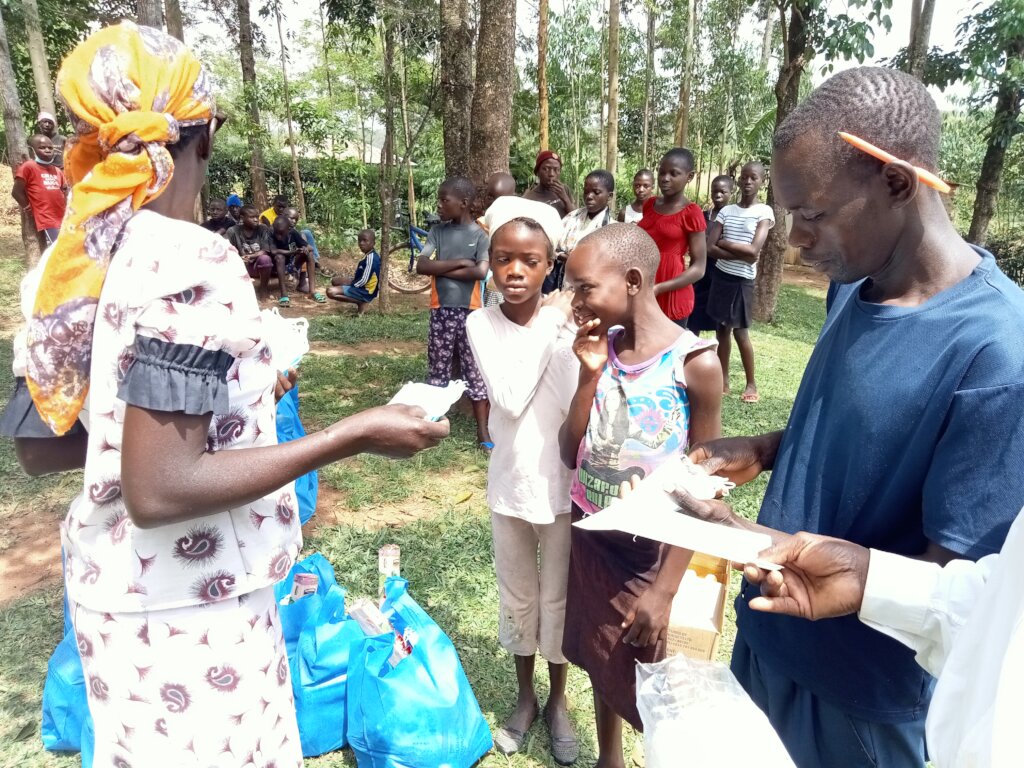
<point x="361" y="288"/>
<point x="905" y="435"/>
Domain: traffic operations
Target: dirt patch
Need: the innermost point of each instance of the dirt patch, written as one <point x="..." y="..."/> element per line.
<point x="438" y="493"/>
<point x="366" y="348"/>
<point x="30" y="558"/>
<point x="804" y="277"/>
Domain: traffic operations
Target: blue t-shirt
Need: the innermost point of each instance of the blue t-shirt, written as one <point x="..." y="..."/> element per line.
<point x="906" y="429"/>
<point x="367" y="278"/>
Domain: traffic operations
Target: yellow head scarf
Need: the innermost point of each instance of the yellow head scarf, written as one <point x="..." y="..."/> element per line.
<point x="129" y="90"/>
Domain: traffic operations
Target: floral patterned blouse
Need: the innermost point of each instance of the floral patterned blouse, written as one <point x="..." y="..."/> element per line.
<point x="177" y="330"/>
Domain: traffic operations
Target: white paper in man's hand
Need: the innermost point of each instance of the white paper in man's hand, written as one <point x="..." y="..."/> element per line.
<point x="434" y="400"/>
<point x="651" y="512"/>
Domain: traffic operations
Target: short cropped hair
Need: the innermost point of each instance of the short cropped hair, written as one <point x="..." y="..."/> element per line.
<point x="885" y="107"/>
<point x="725" y="177"/>
<point x="460" y="185"/>
<point x="680" y="153"/>
<point x="370" y="232"/>
<point x="250" y="208"/>
<point x="281" y="199"/>
<point x="604" y="177"/>
<point x="628" y="246"/>
<point x="643" y="172"/>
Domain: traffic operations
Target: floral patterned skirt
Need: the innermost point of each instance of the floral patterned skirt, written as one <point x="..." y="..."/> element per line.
<point x="196" y="686"/>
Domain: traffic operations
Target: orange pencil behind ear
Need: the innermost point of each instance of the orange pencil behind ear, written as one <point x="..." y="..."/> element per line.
<point x="927" y="177"/>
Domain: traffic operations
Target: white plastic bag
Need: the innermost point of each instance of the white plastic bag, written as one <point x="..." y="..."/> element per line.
<point x="287" y="337"/>
<point x="692" y="712"/>
<point x="434" y="400"/>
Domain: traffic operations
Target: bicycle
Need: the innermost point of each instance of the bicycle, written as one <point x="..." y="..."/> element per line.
<point x="402" y="275"/>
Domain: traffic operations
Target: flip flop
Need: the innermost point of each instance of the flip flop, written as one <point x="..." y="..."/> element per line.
<point x="486" y="446"/>
<point x="564" y="749"/>
<point x="319" y="298"/>
<point x="751" y="398"/>
<point x="284" y="301"/>
<point x="508" y="741"/>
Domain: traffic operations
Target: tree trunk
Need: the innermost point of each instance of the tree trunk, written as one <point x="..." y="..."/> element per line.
<point x="648" y="85"/>
<point x="14" y="131"/>
<point x="257" y="172"/>
<point x="495" y="85"/>
<point x="612" y="150"/>
<point x="403" y="89"/>
<point x="456" y="83"/>
<point x="386" y="183"/>
<point x="151" y="13"/>
<point x="296" y="176"/>
<point x="172" y="14"/>
<point x="921" y="14"/>
<point x="766" y="39"/>
<point x="37" y="54"/>
<point x="1007" y="113"/>
<point x="787" y="93"/>
<point x="542" y="71"/>
<point x="686" y="79"/>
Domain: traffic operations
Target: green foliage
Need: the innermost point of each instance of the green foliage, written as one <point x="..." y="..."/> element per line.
<point x="1009" y="252"/>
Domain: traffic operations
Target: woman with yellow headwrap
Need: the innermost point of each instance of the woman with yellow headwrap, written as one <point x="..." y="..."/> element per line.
<point x="144" y="329"/>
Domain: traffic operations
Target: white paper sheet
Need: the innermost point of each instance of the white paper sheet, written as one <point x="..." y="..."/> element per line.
<point x="651" y="512"/>
<point x="434" y="400"/>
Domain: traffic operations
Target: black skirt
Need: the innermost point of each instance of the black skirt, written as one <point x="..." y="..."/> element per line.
<point x="699" y="320"/>
<point x="731" y="300"/>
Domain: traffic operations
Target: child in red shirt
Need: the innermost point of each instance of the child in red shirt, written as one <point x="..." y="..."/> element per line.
<point x="677" y="226"/>
<point x="41" y="189"/>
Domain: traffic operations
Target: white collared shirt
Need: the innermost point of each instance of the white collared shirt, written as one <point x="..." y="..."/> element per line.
<point x="966" y="623"/>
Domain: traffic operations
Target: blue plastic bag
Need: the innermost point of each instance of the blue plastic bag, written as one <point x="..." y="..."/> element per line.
<point x="295" y="615"/>
<point x="421" y="713"/>
<point x="66" y="724"/>
<point x="320" y="674"/>
<point x="290" y="428"/>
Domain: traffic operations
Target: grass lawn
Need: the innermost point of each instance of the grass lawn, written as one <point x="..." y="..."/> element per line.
<point x="433" y="506"/>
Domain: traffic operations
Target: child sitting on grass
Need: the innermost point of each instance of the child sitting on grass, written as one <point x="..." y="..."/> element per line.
<point x="735" y="240"/>
<point x="252" y="241"/>
<point x="455" y="257"/>
<point x="362" y="288"/>
<point x="643" y="188"/>
<point x="647" y="389"/>
<point x="524" y="350"/>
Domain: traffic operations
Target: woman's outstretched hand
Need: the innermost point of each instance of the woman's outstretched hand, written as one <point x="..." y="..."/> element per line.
<point x="399" y="431"/>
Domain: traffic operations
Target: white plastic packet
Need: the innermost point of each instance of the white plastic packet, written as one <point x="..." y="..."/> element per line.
<point x="692" y="713"/>
<point x="434" y="400"/>
<point x="287" y="337"/>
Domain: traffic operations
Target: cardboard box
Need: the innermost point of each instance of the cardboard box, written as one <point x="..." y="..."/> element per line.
<point x="698" y="610"/>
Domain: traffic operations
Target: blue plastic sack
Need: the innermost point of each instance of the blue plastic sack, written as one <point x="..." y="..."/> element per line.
<point x="290" y="428"/>
<point x="320" y="674"/>
<point x="295" y="615"/>
<point x="66" y="724"/>
<point x="421" y="713"/>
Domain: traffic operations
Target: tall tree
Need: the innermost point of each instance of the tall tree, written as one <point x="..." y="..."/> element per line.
<point x="686" y="78"/>
<point x="14" y="131"/>
<point x="257" y="172"/>
<point x="175" y="24"/>
<point x="542" y="72"/>
<point x="386" y="180"/>
<point x="456" y="83"/>
<point x="648" y="83"/>
<point x="807" y="28"/>
<point x="612" y="146"/>
<point x="495" y="85"/>
<point x="37" y="55"/>
<point x="921" y="13"/>
<point x="769" y="32"/>
<point x="296" y="176"/>
<point x="151" y="13"/>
